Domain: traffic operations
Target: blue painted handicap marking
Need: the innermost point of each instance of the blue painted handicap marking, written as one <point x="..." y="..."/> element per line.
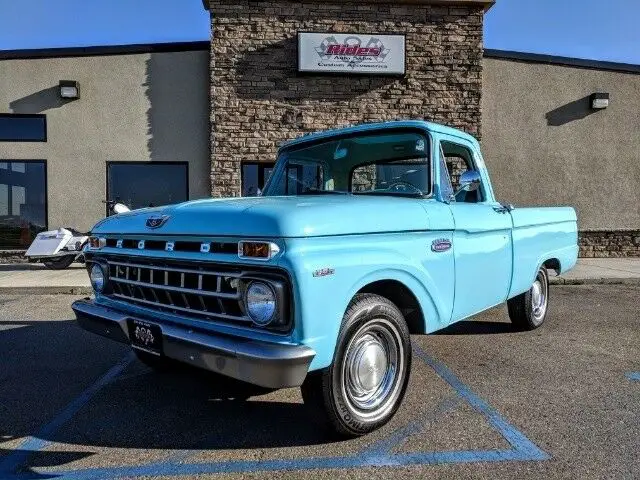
<point x="380" y="453"/>
<point x="633" y="376"/>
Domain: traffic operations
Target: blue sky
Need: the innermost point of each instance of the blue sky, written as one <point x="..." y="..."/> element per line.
<point x="595" y="29"/>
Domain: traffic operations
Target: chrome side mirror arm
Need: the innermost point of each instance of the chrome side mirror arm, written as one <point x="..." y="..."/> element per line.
<point x="469" y="182"/>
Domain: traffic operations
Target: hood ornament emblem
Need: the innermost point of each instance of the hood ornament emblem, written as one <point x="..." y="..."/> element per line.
<point x="157" y="221"/>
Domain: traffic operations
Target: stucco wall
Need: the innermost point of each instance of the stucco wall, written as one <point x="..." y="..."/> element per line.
<point x="259" y="99"/>
<point x="544" y="146"/>
<point x="136" y="107"/>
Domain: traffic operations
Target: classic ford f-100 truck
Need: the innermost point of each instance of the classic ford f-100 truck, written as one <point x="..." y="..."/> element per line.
<point x="361" y="237"/>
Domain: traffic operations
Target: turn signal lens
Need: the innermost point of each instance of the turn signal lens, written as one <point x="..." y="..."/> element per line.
<point x="257" y="250"/>
<point x="96" y="243"/>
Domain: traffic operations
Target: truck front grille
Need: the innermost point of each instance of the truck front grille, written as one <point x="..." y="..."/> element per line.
<point x="205" y="292"/>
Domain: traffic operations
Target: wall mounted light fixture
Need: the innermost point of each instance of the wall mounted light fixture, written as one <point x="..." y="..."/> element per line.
<point x="599" y="100"/>
<point x="69" y="89"/>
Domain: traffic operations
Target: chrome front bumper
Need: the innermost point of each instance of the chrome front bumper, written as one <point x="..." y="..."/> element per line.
<point x="261" y="363"/>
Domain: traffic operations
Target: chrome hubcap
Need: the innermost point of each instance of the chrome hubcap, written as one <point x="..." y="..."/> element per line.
<point x="539" y="299"/>
<point x="368" y="365"/>
<point x="373" y="369"/>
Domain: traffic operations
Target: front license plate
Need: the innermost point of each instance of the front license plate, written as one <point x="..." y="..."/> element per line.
<point x="145" y="336"/>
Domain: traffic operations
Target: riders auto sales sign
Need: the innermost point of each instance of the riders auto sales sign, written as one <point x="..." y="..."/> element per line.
<point x="351" y="53"/>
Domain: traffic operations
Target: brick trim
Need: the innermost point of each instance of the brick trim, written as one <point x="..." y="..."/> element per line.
<point x="609" y="243"/>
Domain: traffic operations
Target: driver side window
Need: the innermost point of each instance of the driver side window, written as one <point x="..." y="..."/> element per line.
<point x="459" y="160"/>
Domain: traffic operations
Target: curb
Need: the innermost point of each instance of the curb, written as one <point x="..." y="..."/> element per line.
<point x="595" y="281"/>
<point x="53" y="290"/>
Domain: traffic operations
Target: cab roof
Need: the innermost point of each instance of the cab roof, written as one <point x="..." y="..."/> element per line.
<point x="370" y="127"/>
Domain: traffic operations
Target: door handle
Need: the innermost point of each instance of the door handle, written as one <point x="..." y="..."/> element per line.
<point x="503" y="208"/>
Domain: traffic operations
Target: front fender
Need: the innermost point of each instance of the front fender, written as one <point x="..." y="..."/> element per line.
<point x="433" y="319"/>
<point x="328" y="272"/>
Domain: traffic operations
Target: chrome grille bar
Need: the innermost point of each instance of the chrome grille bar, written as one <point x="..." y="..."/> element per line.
<point x="232" y="296"/>
<point x="212" y="294"/>
<point x="174" y="269"/>
<point x="188" y="310"/>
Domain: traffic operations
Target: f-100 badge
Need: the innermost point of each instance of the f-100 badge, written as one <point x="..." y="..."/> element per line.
<point x="440" y="245"/>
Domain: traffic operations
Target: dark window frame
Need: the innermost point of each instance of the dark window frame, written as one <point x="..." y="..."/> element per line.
<point x="26" y="115"/>
<point x="481" y="196"/>
<point x="46" y="187"/>
<point x="142" y="162"/>
<point x="303" y="144"/>
<point x="262" y="166"/>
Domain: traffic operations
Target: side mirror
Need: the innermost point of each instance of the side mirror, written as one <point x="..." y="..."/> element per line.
<point x="469" y="181"/>
<point x="120" y="208"/>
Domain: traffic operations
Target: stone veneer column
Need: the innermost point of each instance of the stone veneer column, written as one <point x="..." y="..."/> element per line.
<point x="258" y="99"/>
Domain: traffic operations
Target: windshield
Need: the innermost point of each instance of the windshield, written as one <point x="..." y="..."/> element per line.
<point x="371" y="164"/>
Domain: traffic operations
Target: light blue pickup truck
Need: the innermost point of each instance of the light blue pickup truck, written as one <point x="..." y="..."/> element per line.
<point x="361" y="236"/>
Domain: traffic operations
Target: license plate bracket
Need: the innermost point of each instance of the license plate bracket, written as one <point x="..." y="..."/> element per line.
<point x="145" y="336"/>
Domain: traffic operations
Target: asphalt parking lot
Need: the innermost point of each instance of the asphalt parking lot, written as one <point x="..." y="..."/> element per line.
<point x="484" y="401"/>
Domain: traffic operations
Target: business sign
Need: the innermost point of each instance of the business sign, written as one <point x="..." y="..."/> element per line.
<point x="351" y="53"/>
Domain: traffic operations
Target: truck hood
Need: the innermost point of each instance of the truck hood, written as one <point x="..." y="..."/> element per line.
<point x="306" y="216"/>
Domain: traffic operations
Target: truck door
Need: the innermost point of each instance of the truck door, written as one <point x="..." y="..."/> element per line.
<point x="481" y="240"/>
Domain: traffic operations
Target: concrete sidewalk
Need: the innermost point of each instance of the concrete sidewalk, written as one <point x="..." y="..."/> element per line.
<point x="601" y="271"/>
<point x="29" y="278"/>
<point x="34" y="278"/>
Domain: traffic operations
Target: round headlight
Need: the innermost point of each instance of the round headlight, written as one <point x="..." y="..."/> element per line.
<point x="261" y="303"/>
<point x="97" y="278"/>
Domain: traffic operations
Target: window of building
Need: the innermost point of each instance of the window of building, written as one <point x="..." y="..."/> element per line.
<point x="254" y="177"/>
<point x="147" y="184"/>
<point x="16" y="127"/>
<point x="23" y="202"/>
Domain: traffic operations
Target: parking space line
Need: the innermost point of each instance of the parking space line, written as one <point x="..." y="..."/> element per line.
<point x="633" y="376"/>
<point x="377" y="455"/>
<point x="400" y="436"/>
<point x="39" y="441"/>
<point x="512" y="435"/>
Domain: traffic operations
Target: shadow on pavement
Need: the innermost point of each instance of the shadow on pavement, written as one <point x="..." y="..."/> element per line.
<point x="49" y="364"/>
<point x="191" y="409"/>
<point x="477" y="327"/>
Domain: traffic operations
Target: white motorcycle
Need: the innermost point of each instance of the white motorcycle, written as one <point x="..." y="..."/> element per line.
<point x="57" y="249"/>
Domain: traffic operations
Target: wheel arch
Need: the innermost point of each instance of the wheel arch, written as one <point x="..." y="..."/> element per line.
<point x="407" y="293"/>
<point x="552" y="264"/>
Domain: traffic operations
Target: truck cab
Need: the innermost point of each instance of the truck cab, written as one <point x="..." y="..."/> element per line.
<point x="361" y="237"/>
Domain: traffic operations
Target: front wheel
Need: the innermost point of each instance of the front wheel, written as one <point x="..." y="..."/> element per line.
<point x="365" y="384"/>
<point x="528" y="310"/>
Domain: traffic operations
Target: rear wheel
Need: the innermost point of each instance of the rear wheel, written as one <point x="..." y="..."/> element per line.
<point x="528" y="311"/>
<point x="59" y="263"/>
<point x="365" y="384"/>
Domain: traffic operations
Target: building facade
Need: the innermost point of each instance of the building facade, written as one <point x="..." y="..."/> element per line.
<point x="158" y="124"/>
<point x="138" y="133"/>
<point x="258" y="98"/>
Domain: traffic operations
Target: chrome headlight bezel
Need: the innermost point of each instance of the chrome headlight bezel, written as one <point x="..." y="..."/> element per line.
<point x="261" y="321"/>
<point x="282" y="318"/>
<point x="99" y="281"/>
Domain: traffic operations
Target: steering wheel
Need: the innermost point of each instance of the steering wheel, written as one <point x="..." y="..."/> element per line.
<point x="401" y="186"/>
